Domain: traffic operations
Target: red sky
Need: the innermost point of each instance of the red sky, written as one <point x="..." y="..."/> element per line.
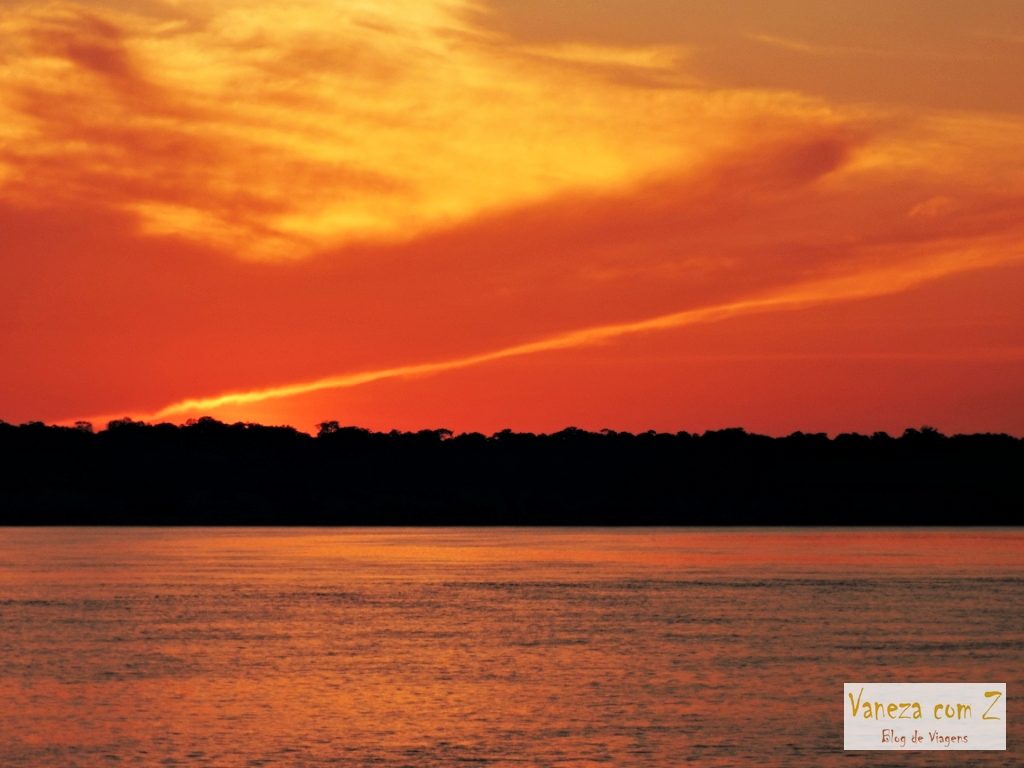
<point x="637" y="215"/>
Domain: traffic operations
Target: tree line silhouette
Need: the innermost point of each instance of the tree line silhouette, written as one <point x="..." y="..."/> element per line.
<point x="211" y="473"/>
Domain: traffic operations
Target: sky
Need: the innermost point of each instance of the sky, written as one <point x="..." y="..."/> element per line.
<point x="487" y="214"/>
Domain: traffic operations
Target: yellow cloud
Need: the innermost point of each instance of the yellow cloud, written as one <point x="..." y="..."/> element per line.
<point x="273" y="130"/>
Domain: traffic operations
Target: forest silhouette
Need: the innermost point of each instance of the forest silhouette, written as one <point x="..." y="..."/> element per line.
<point x="211" y="473"/>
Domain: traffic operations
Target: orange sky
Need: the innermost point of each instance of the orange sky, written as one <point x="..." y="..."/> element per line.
<point x="631" y="214"/>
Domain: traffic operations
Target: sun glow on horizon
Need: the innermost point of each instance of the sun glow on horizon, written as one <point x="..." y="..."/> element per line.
<point x="844" y="288"/>
<point x="200" y="196"/>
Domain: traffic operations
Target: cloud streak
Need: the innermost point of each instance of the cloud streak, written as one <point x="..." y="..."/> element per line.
<point x="815" y="49"/>
<point x="842" y="288"/>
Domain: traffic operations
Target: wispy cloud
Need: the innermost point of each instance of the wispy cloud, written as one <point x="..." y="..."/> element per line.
<point x="834" y="51"/>
<point x="273" y="131"/>
<point x="841" y="288"/>
<point x="816" y="49"/>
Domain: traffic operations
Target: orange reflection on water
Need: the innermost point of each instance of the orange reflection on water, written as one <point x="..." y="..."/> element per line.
<point x="488" y="646"/>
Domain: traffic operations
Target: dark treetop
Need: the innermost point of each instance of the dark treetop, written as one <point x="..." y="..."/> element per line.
<point x="209" y="473"/>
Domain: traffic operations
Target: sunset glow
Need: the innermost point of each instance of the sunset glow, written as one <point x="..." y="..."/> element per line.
<point x="478" y="214"/>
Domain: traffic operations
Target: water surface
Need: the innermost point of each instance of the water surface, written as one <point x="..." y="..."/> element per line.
<point x="489" y="647"/>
